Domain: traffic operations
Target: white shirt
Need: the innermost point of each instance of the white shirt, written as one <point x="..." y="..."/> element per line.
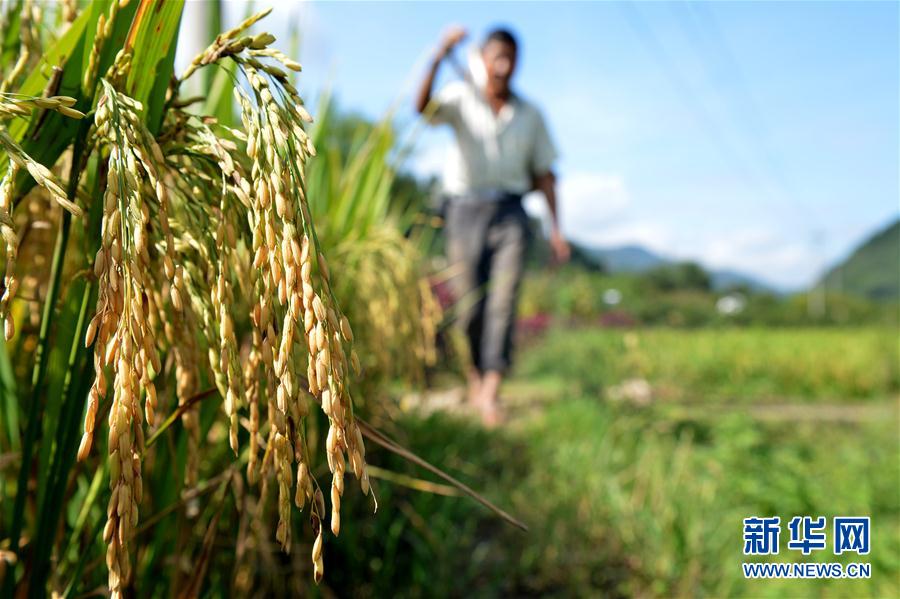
<point x="493" y="152"/>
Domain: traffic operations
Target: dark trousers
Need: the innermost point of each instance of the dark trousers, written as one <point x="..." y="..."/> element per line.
<point x="486" y="244"/>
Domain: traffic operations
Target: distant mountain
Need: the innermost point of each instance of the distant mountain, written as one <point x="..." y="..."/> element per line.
<point x="627" y="258"/>
<point x="872" y="270"/>
<point x="636" y="259"/>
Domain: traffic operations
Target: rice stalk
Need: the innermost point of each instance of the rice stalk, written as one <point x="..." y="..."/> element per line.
<point x="258" y="223"/>
<point x="351" y="196"/>
<point x="205" y="253"/>
<point x="30" y="46"/>
<point x="12" y="106"/>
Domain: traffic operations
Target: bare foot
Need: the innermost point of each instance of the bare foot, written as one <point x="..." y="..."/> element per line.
<point x="474" y="393"/>
<point x="490" y="389"/>
<point x="491" y="415"/>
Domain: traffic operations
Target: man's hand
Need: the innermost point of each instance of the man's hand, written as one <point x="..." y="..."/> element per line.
<point x="452" y="36"/>
<point x="546" y="184"/>
<point x="561" y="250"/>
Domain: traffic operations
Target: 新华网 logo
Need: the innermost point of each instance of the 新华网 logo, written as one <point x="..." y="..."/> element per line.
<point x="807" y="534"/>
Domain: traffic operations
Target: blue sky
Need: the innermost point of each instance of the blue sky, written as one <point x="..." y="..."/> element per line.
<point x="761" y="136"/>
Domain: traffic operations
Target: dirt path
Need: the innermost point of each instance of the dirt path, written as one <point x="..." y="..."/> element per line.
<point x="524" y="399"/>
<point x="804" y="412"/>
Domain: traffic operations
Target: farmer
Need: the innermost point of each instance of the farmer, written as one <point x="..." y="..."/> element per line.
<point x="502" y="151"/>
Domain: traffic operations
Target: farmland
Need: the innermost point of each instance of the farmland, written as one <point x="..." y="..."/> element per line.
<point x="229" y="365"/>
<point x="647" y="498"/>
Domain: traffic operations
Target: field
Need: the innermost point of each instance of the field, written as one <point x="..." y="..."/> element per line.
<point x="644" y="495"/>
<point x="216" y="307"/>
<point x="724" y="365"/>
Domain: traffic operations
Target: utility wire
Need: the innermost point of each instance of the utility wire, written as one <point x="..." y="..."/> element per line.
<point x="705" y="119"/>
<point x="690" y="99"/>
<point x="704" y="33"/>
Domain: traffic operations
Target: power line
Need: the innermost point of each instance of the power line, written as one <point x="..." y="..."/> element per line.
<point x="688" y="96"/>
<point x="705" y="35"/>
<point x="748" y="106"/>
<point x="702" y="27"/>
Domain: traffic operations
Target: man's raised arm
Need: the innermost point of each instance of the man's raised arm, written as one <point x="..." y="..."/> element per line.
<point x="451" y="37"/>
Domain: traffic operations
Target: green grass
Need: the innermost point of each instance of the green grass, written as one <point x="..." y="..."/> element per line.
<point x="725" y="365"/>
<point x="628" y="501"/>
<point x="670" y="494"/>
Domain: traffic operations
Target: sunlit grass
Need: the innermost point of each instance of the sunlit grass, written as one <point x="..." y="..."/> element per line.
<point x="624" y="500"/>
<point x="726" y="365"/>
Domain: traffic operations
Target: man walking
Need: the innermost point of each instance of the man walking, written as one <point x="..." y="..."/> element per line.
<point x="503" y="150"/>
